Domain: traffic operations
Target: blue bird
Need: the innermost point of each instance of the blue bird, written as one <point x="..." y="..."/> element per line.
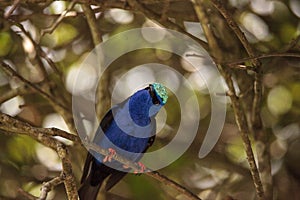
<point x="127" y="128"/>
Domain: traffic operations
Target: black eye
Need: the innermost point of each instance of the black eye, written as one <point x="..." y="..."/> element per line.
<point x="153" y="95"/>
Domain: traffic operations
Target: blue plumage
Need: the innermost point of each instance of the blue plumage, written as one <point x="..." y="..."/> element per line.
<point x="129" y="129"/>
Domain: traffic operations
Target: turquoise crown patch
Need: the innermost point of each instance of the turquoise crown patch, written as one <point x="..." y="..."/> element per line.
<point x="161" y="91"/>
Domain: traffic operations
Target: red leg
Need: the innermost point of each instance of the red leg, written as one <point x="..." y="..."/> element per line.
<point x="108" y="158"/>
<point x="142" y="168"/>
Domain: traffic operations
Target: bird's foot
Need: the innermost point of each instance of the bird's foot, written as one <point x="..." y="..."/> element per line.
<point x="125" y="166"/>
<point x="142" y="168"/>
<point x="111" y="154"/>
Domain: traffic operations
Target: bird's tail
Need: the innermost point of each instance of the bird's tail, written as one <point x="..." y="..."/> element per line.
<point x="88" y="191"/>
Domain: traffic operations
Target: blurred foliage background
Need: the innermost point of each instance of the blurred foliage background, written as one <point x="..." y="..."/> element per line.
<point x="270" y="26"/>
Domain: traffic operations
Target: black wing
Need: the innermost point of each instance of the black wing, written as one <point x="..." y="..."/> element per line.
<point x="104" y="124"/>
<point x="116" y="176"/>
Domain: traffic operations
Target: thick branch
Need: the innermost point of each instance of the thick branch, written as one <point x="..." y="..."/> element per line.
<point x="10" y="124"/>
<point x="102" y="103"/>
<point x="91" y="19"/>
<point x="240" y="117"/>
<point x="256" y="122"/>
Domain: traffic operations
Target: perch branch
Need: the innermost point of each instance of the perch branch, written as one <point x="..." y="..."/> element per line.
<point x="134" y="166"/>
<point x="42" y="135"/>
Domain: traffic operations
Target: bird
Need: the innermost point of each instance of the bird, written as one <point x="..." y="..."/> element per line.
<point x="128" y="129"/>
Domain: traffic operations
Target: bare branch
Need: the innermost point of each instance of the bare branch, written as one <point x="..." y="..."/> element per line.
<point x="167" y="23"/>
<point x="91" y="19"/>
<point x="48" y="186"/>
<point x="242" y="60"/>
<point x="58" y="106"/>
<point x="11" y="72"/>
<point x="102" y="103"/>
<point x="233" y="25"/>
<point x="15" y="92"/>
<point x="59" y="19"/>
<point x="240" y="117"/>
<point x="12" y="9"/>
<point x="25" y="195"/>
<point x="154" y="174"/>
<point x="8" y="123"/>
<point x="256" y="122"/>
<point x="212" y="42"/>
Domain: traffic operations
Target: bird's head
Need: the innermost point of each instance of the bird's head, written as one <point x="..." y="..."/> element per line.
<point x="147" y="102"/>
<point x="159" y="96"/>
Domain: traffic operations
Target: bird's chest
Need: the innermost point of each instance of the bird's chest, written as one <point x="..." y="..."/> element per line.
<point x="125" y="136"/>
<point x="130" y="138"/>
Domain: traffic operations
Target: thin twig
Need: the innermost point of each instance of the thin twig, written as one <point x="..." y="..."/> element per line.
<point x="59" y="19"/>
<point x="15" y="92"/>
<point x="244" y="130"/>
<point x="166" y="7"/>
<point x="233" y="25"/>
<point x="12" y="9"/>
<point x="25" y="195"/>
<point x="36" y="49"/>
<point x="39" y="52"/>
<point x="58" y="106"/>
<point x="167" y="23"/>
<point x="242" y="60"/>
<point x="11" y="72"/>
<point x="48" y="186"/>
<point x="60" y="100"/>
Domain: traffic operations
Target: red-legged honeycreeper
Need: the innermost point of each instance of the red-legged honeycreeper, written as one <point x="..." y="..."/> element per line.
<point x="127" y="129"/>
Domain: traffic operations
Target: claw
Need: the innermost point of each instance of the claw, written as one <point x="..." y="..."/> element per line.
<point x="142" y="168"/>
<point x="125" y="167"/>
<point x="108" y="158"/>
